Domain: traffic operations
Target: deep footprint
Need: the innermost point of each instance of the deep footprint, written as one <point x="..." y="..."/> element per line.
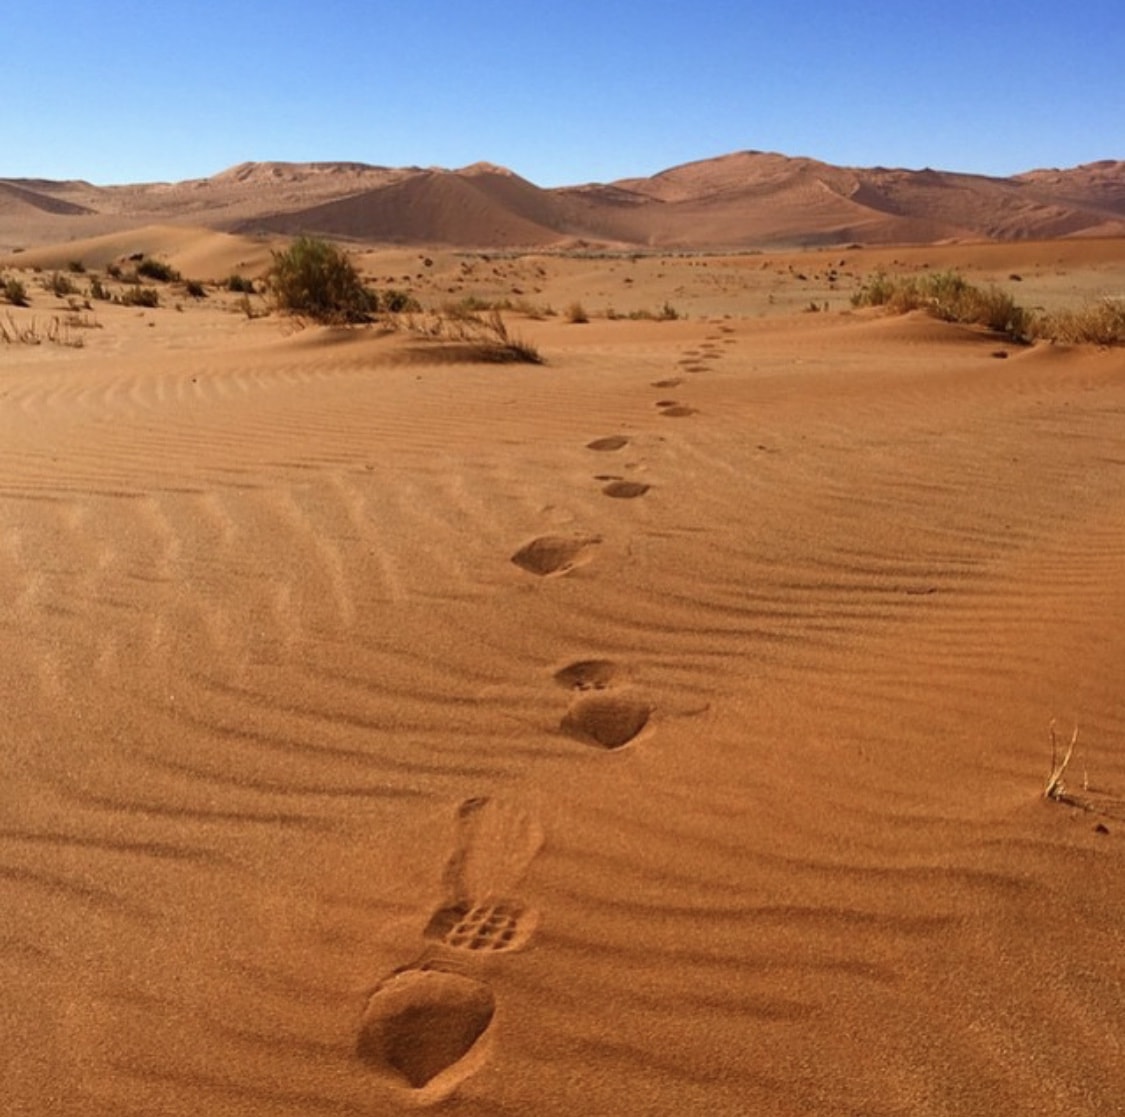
<point x="555" y="554"/>
<point x="626" y="490"/>
<point x="612" y="442"/>
<point x="608" y="720"/>
<point x="587" y="674"/>
<point x="678" y="411"/>
<point x="420" y="1023"/>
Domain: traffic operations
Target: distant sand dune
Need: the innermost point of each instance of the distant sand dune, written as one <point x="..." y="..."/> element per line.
<point x="745" y="199"/>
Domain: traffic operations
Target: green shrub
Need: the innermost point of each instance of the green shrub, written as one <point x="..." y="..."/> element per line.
<point x="316" y="278"/>
<point x="158" y="270"/>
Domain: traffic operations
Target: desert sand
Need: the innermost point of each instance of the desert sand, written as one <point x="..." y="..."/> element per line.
<point x="659" y="730"/>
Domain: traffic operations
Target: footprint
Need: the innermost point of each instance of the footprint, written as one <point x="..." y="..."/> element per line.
<point x="494" y="846"/>
<point x="555" y="554"/>
<point x="671" y="382"/>
<point x="608" y="720"/>
<point x="665" y="403"/>
<point x="679" y="411"/>
<point x="495" y="925"/>
<point x="587" y="674"/>
<point x="611" y="442"/>
<point x="420" y="1024"/>
<point x="626" y="490"/>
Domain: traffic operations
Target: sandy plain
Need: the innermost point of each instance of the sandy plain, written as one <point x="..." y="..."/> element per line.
<point x="659" y="730"/>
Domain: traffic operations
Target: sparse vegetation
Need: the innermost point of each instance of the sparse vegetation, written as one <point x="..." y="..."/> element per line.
<point x="950" y="297"/>
<point x="60" y="285"/>
<point x="56" y="332"/>
<point x="240" y="285"/>
<point x="576" y="314"/>
<point x="194" y="289"/>
<point x="14" y="292"/>
<point x="1100" y="323"/>
<point x="140" y="296"/>
<point x="1060" y="761"/>
<point x="157" y="270"/>
<point x="76" y="266"/>
<point x="393" y="301"/>
<point x="98" y="289"/>
<point x="471" y="336"/>
<point x="317" y="279"/>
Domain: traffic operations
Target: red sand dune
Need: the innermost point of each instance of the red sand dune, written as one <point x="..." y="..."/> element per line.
<point x="740" y="200"/>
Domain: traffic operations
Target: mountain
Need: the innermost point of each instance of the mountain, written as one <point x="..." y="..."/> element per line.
<point x="743" y="200"/>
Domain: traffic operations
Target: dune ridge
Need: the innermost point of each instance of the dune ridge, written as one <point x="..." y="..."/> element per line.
<point x="745" y="199"/>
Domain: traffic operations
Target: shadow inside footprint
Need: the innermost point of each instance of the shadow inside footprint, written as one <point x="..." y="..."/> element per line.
<point x="612" y="442"/>
<point x="608" y="720"/>
<point x="626" y="490"/>
<point x="678" y="411"/>
<point x="554" y="554"/>
<point x="587" y="674"/>
<point x="491" y="926"/>
<point x="420" y="1023"/>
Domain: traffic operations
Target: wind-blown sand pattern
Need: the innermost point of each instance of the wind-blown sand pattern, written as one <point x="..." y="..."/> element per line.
<point x="363" y="748"/>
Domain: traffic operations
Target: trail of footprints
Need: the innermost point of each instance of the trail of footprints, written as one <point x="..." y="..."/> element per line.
<point x="424" y="1028"/>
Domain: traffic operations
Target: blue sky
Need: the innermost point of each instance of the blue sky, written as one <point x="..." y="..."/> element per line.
<point x="565" y="92"/>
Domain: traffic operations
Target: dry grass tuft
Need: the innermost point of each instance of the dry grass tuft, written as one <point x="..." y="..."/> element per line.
<point x="948" y="296"/>
<point x="1056" y="788"/>
<point x="1100" y="323"/>
<point x="477" y="337"/>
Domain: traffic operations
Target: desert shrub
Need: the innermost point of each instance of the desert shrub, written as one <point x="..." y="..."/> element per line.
<point x="240" y="285"/>
<point x="1101" y="323"/>
<point x="113" y="271"/>
<point x="157" y="269"/>
<point x="576" y="314"/>
<point x="60" y="285"/>
<point x="195" y="289"/>
<point x="949" y="296"/>
<point x="141" y="296"/>
<point x="316" y="278"/>
<point x="97" y="289"/>
<point x="393" y="301"/>
<point x="877" y="291"/>
<point x="76" y="266"/>
<point x="14" y="292"/>
<point x="474" y="337"/>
